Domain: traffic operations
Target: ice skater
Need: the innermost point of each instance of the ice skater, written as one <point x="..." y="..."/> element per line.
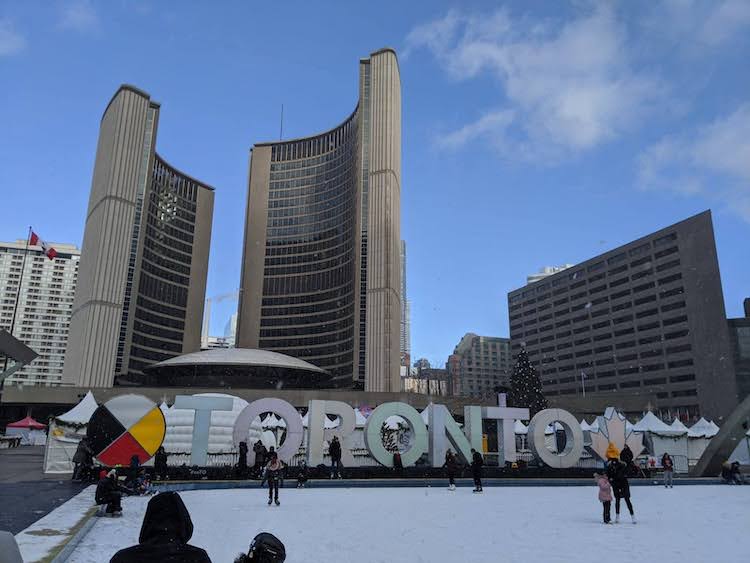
<point x="605" y="496"/>
<point x="273" y="475"/>
<point x="476" y="469"/>
<point x="617" y="474"/>
<point x="451" y="468"/>
<point x="668" y="465"/>
<point x="302" y="474"/>
<point x="335" y="450"/>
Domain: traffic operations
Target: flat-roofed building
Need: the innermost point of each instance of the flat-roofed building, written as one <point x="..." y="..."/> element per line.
<point x="647" y="316"/>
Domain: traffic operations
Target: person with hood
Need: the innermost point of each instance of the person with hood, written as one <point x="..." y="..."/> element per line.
<point x="160" y="463"/>
<point x="451" y="468"/>
<point x="734" y="473"/>
<point x="165" y="533"/>
<point x="83" y="460"/>
<point x="242" y="461"/>
<point x="476" y="469"/>
<point x="617" y="473"/>
<point x="605" y="496"/>
<point x="273" y="471"/>
<point x="335" y="450"/>
<point x="265" y="548"/>
<point x="109" y="493"/>
<point x="626" y="456"/>
<point x="668" y="465"/>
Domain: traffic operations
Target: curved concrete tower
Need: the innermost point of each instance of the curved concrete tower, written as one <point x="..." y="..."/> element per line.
<point x="321" y="267"/>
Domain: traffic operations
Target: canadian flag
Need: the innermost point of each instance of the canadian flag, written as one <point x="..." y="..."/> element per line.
<point x="46" y="248"/>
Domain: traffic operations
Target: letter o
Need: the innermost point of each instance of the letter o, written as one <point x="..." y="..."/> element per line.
<point x="573" y="434"/>
<point x="417" y="426"/>
<point x="281" y="408"/>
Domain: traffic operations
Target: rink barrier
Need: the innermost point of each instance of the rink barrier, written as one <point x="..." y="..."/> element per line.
<point x="70" y="546"/>
<point x="291" y="483"/>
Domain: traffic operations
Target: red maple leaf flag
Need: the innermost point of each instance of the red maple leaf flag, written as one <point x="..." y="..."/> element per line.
<point x="49" y="251"/>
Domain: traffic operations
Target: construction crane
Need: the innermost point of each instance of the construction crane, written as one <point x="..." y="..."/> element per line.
<point x="234" y="295"/>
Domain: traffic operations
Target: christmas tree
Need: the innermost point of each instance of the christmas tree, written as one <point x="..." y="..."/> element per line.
<point x="525" y="386"/>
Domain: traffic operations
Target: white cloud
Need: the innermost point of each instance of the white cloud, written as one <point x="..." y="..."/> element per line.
<point x="79" y="15"/>
<point x="709" y="23"/>
<point x="11" y="42"/>
<point x="712" y="160"/>
<point x="567" y="87"/>
<point x="492" y="124"/>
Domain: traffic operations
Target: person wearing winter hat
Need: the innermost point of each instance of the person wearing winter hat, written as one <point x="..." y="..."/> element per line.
<point x="617" y="472"/>
<point x="605" y="495"/>
<point x="265" y="548"/>
<point x="109" y="493"/>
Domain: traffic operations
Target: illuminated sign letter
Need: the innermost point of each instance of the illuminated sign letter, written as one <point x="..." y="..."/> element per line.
<point x="442" y="425"/>
<point x="418" y="430"/>
<point x="573" y="438"/>
<point x="280" y="408"/>
<point x="201" y="421"/>
<point x="317" y="433"/>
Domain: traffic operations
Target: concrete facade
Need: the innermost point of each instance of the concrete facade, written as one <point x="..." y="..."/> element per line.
<point x="479" y="364"/>
<point x="405" y="314"/>
<point x="648" y="316"/>
<point x="47" y="288"/>
<point x="321" y="270"/>
<point x="739" y="336"/>
<point x="144" y="261"/>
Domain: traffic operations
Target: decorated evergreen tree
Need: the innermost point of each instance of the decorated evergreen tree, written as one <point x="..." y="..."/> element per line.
<point x="525" y="386"/>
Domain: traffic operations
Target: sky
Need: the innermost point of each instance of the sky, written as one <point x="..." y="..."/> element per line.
<point x="534" y="133"/>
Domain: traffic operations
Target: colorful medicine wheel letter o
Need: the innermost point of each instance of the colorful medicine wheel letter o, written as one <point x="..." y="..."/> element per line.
<point x="125" y="426"/>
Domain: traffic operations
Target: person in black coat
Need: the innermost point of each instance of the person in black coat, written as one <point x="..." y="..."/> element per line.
<point x="626" y="455"/>
<point x="335" y="450"/>
<point x="242" y="461"/>
<point x="260" y="457"/>
<point x="476" y="469"/>
<point x="160" y="463"/>
<point x="617" y="473"/>
<point x="165" y="533"/>
<point x="451" y="468"/>
<point x="83" y="459"/>
<point x="108" y="492"/>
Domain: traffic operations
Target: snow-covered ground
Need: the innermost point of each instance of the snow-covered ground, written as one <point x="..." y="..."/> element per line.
<point x="507" y="524"/>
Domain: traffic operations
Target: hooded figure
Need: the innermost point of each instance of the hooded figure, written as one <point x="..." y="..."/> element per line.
<point x="166" y="529"/>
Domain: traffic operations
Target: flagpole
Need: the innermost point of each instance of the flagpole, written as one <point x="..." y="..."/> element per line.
<point x="583" y="384"/>
<point x="18" y="296"/>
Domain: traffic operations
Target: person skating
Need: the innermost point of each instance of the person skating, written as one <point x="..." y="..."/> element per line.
<point x="273" y="476"/>
<point x="302" y="474"/>
<point x="605" y="496"/>
<point x="109" y="493"/>
<point x="617" y="474"/>
<point x="334" y="449"/>
<point x="164" y="536"/>
<point x="451" y="468"/>
<point x="260" y="457"/>
<point x="476" y="469"/>
<point x="668" y="465"/>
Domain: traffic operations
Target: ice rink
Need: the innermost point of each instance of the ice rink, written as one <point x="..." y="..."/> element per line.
<point x="687" y="523"/>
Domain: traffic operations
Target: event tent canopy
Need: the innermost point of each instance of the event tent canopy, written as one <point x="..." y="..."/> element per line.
<point x="81" y="413"/>
<point x="650" y="423"/>
<point x="704" y="428"/>
<point x="27" y="423"/>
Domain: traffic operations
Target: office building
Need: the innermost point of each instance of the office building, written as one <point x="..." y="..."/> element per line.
<point x="428" y="381"/>
<point x="230" y="330"/>
<point x="647" y="317"/>
<point x="405" y="326"/>
<point x="739" y="337"/>
<point x="142" y="276"/>
<point x="546" y="272"/>
<point x="321" y="272"/>
<point x="479" y="365"/>
<point x="45" y="301"/>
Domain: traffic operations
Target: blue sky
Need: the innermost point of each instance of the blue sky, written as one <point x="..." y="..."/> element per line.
<point x="534" y="133"/>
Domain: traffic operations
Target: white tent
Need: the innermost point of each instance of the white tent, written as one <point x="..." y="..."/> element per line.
<point x="520" y="428"/>
<point x="360" y="419"/>
<point x="65" y="432"/>
<point x="742" y="452"/>
<point x="704" y="428"/>
<point x="660" y="438"/>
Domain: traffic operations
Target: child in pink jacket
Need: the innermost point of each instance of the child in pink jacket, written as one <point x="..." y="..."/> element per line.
<point x="605" y="495"/>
